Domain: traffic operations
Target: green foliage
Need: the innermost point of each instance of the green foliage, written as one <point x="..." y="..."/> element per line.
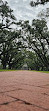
<point x="32" y="3"/>
<point x="27" y="44"/>
<point x="37" y="37"/>
<point x="44" y="13"/>
<point x="10" y="49"/>
<point x="33" y="61"/>
<point x="10" y="41"/>
<point x="6" y="15"/>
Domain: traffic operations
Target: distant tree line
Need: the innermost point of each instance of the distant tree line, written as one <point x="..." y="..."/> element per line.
<point x="26" y="44"/>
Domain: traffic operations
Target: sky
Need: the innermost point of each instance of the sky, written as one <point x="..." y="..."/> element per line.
<point x="23" y="11"/>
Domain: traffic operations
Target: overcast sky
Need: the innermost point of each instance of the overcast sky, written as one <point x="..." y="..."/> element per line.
<point x="23" y="10"/>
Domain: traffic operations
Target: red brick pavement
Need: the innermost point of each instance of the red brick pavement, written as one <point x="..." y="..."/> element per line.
<point x="24" y="91"/>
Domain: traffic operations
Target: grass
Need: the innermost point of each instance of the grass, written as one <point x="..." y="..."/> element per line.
<point x="44" y="71"/>
<point x="41" y="71"/>
<point x="1" y="70"/>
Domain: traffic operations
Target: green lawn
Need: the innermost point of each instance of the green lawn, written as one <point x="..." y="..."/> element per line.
<point x="6" y="70"/>
<point x="41" y="71"/>
<point x="22" y="70"/>
<point x="44" y="71"/>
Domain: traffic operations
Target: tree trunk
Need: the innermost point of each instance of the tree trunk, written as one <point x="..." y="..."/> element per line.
<point x="4" y="66"/>
<point x="10" y="66"/>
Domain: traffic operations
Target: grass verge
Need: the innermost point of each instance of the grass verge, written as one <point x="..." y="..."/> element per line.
<point x="1" y="70"/>
<point x="41" y="71"/>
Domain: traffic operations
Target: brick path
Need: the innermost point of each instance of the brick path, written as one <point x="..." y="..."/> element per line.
<point x="24" y="91"/>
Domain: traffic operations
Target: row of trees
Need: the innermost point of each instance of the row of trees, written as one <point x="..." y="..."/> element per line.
<point x="25" y="44"/>
<point x="36" y="37"/>
<point x="10" y="44"/>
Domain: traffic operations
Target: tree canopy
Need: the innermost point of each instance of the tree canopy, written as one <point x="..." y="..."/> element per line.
<point x="42" y="2"/>
<point x="10" y="43"/>
<point x="28" y="43"/>
<point x="37" y="38"/>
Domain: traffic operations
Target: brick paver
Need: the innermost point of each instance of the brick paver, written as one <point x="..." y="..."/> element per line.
<point x="24" y="91"/>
